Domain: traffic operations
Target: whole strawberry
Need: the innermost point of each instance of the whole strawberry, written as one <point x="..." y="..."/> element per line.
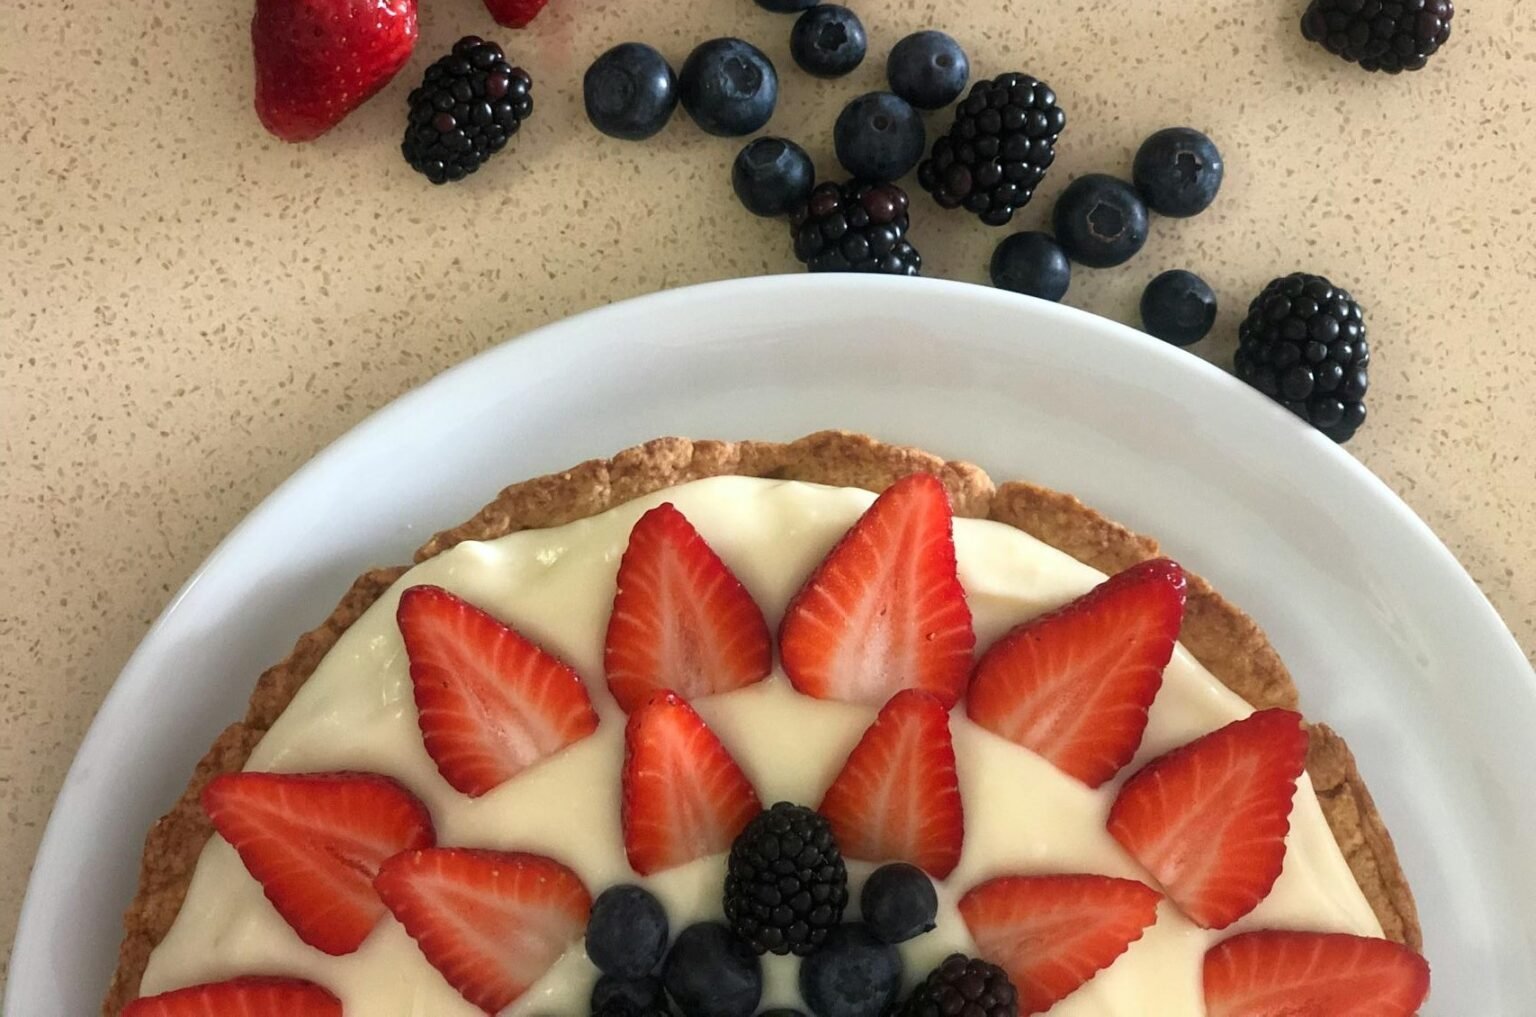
<point x="318" y="60"/>
<point x="514" y="13"/>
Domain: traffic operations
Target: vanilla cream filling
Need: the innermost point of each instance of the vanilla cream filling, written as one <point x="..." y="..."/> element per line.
<point x="556" y="586"/>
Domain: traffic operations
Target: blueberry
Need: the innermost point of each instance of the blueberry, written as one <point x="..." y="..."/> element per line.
<point x="627" y="933"/>
<point x="728" y="86"/>
<point x="772" y="175"/>
<point x="898" y="901"/>
<point x="1178" y="307"/>
<point x="711" y="972"/>
<point x="828" y="41"/>
<point x="630" y="91"/>
<point x="878" y="137"/>
<point x="637" y="995"/>
<point x="786" y="6"/>
<point x="1178" y="171"/>
<point x="1031" y="263"/>
<point x="854" y="974"/>
<point x="928" y="69"/>
<point x="1100" y="221"/>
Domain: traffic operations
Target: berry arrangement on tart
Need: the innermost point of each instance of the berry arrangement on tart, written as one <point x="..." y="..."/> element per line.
<point x="827" y="727"/>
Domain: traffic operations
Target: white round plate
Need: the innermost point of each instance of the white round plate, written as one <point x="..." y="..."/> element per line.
<point x="1388" y="638"/>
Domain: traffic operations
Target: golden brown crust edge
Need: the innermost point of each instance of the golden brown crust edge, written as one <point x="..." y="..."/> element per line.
<point x="1224" y="639"/>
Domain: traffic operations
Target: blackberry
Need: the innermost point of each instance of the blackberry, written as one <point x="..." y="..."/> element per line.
<point x="855" y="227"/>
<point x="1303" y="344"/>
<point x="467" y="105"/>
<point x="1380" y="35"/>
<point x="997" y="150"/>
<point x="785" y="885"/>
<point x="962" y="985"/>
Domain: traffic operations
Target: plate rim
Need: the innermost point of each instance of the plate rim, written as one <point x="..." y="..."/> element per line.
<point x="136" y="670"/>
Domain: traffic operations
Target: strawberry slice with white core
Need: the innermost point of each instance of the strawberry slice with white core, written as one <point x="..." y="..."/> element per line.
<point x="240" y="997"/>
<point x="490" y="702"/>
<point x="314" y="841"/>
<point x="681" y="620"/>
<point x="1312" y="974"/>
<point x="884" y="611"/>
<point x="897" y="798"/>
<point x="1209" y="819"/>
<point x="1075" y="685"/>
<point x="1053" y="933"/>
<point x="491" y="922"/>
<point x="684" y="797"/>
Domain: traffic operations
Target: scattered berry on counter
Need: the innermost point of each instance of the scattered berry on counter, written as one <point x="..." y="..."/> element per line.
<point x="1178" y="307"/>
<point x="785" y="885"/>
<point x="772" y="176"/>
<point x="627" y="932"/>
<point x="515" y="13"/>
<point x="786" y="6"/>
<point x="963" y="985"/>
<point x="879" y="136"/>
<point x="710" y="972"/>
<point x="898" y="902"/>
<point x="928" y="69"/>
<point x="1303" y="344"/>
<point x="630" y="91"/>
<point x="854" y="974"/>
<point x="1380" y="35"/>
<point x="828" y="41"/>
<point x="466" y="107"/>
<point x="855" y="227"/>
<point x="1178" y="171"/>
<point x="628" y="997"/>
<point x="1032" y="263"/>
<point x="729" y="87"/>
<point x="318" y="61"/>
<point x="1100" y="221"/>
<point x="997" y="150"/>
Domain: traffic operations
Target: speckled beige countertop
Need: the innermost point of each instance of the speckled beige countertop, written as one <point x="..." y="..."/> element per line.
<point x="190" y="309"/>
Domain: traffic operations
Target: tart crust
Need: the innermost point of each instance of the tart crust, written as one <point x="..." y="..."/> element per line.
<point x="1220" y="636"/>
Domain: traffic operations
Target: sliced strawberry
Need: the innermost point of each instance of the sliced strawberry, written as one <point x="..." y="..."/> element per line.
<point x="681" y="620"/>
<point x="1053" y="933"/>
<point x="318" y="60"/>
<point x="1075" y="685"/>
<point x="491" y="922"/>
<point x="514" y="13"/>
<point x="897" y="797"/>
<point x="490" y="702"/>
<point x="1312" y="974"/>
<point x="1209" y="819"/>
<point x="884" y="611"/>
<point x="240" y="997"/>
<point x="314" y="842"/>
<point x="684" y="797"/>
